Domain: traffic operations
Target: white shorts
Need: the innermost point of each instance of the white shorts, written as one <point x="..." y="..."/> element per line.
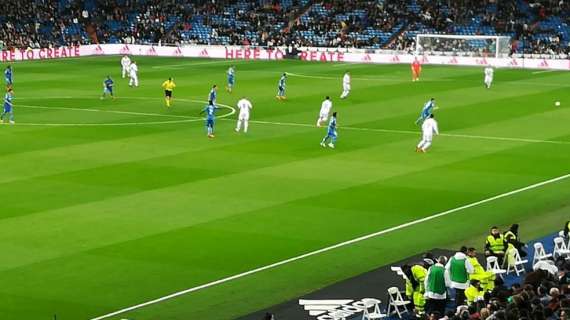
<point x="243" y="116"/>
<point x="346" y="87"/>
<point x="323" y="116"/>
<point x="427" y="137"/>
<point x="488" y="79"/>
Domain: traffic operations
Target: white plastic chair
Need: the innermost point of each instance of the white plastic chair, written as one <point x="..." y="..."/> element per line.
<point x="399" y="272"/>
<point x="374" y="304"/>
<point x="493" y="266"/>
<point x="519" y="263"/>
<point x="560" y="248"/>
<point x="397" y="304"/>
<point x="340" y="315"/>
<point x="539" y="253"/>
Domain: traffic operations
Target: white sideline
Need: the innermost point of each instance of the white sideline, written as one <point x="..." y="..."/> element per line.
<point x="418" y="133"/>
<point x="342" y="244"/>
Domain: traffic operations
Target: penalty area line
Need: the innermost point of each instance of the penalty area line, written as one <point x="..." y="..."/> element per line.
<point x="336" y="246"/>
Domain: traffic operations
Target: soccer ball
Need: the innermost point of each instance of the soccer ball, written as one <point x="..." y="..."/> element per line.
<point x="557" y="103"/>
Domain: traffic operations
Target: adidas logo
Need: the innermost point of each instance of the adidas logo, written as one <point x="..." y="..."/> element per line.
<point x="125" y="50"/>
<point x="332" y="309"/>
<point x="395" y="59"/>
<point x="514" y="62"/>
<point x="453" y="61"/>
<point x="178" y="52"/>
<point x="99" y="50"/>
<point x="366" y="58"/>
<point x="151" y="52"/>
<point x="204" y="53"/>
<point x="482" y="61"/>
<point x="543" y="63"/>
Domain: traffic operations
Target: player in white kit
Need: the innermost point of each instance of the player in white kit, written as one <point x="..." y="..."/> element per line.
<point x="345" y="85"/>
<point x="489" y="76"/>
<point x="244" y="107"/>
<point x="429" y="128"/>
<point x="125" y="64"/>
<point x="133" y="74"/>
<point x="326" y="107"/>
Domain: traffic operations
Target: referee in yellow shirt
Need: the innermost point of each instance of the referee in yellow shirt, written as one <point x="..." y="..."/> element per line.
<point x="168" y="86"/>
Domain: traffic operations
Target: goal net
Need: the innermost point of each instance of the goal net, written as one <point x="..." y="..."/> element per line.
<point x="463" y="45"/>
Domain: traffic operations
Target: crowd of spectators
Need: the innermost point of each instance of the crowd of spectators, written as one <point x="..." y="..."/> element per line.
<point x="535" y="27"/>
<point x="542" y="293"/>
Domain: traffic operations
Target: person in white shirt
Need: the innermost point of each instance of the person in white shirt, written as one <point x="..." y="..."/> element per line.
<point x="326" y="107"/>
<point x="125" y="63"/>
<point x="488" y="76"/>
<point x="133" y="74"/>
<point x="429" y="128"/>
<point x="345" y="85"/>
<point x="244" y="106"/>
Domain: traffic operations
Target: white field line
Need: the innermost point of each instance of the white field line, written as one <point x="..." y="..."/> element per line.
<point x="339" y="79"/>
<point x="233" y="111"/>
<point x="183" y="65"/>
<point x="111" y="124"/>
<point x="336" y="246"/>
<point x="543" y="71"/>
<point x="417" y="133"/>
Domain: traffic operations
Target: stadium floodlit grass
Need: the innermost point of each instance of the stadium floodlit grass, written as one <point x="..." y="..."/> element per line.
<point x="96" y="218"/>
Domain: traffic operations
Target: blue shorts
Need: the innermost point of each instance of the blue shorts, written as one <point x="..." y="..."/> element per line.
<point x="7" y="109"/>
<point x="231" y="81"/>
<point x="210" y="123"/>
<point x="108" y="90"/>
<point x="8" y="80"/>
<point x="331" y="134"/>
<point x="281" y="91"/>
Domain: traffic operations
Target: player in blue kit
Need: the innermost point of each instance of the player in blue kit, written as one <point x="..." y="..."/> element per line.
<point x="281" y="87"/>
<point x="210" y="111"/>
<point x="108" y="88"/>
<point x="8" y="107"/>
<point x="8" y="77"/>
<point x="231" y="79"/>
<point x="331" y="133"/>
<point x="426" y="111"/>
<point x="213" y="94"/>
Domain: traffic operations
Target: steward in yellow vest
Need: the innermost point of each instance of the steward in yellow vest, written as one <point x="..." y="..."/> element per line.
<point x="495" y="245"/>
<point x="415" y="286"/>
<point x="486" y="278"/>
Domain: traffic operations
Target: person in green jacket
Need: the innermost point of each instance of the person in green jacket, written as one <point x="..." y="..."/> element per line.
<point x="436" y="284"/>
<point x="459" y="268"/>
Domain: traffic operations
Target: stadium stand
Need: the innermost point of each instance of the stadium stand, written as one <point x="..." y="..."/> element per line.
<point x="542" y="292"/>
<point x="535" y="28"/>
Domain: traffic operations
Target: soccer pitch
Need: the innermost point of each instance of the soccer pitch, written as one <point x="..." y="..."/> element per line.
<point x="109" y="204"/>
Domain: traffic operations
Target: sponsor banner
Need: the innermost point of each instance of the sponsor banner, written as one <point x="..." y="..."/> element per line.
<point x="39" y="54"/>
<point x="251" y="53"/>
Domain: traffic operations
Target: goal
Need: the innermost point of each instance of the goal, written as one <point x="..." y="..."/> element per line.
<point x="463" y="45"/>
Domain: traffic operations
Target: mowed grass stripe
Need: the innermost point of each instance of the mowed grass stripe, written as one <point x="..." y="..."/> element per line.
<point x="308" y="179"/>
<point x="169" y="230"/>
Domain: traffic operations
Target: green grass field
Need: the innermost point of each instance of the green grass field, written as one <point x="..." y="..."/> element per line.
<point x="108" y="204"/>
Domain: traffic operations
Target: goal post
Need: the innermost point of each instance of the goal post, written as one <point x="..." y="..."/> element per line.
<point x="463" y="45"/>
